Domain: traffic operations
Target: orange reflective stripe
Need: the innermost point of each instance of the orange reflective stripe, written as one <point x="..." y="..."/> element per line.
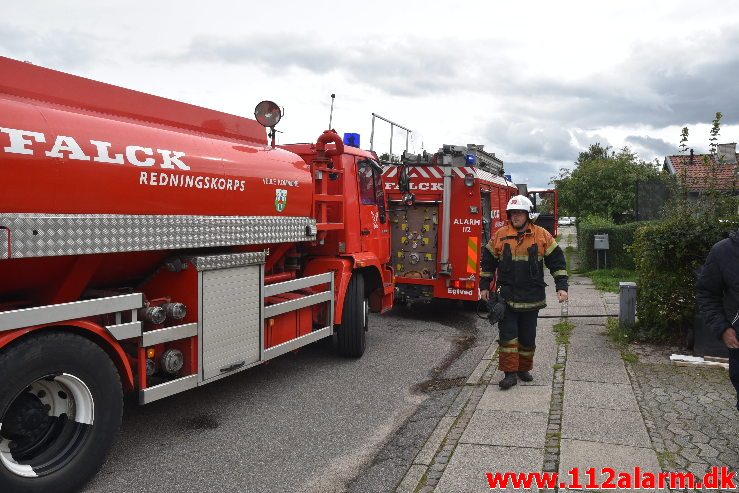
<point x="472" y="254"/>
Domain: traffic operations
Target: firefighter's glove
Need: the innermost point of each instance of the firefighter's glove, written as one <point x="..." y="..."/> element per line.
<point x="496" y="308"/>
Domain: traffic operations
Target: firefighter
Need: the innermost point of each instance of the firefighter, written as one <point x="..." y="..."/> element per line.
<point x="518" y="253"/>
<point x="718" y="298"/>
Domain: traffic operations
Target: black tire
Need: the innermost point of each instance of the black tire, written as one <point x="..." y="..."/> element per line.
<point x="351" y="334"/>
<point x="70" y="453"/>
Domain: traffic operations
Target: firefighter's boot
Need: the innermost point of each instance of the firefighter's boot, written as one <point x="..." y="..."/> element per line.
<point x="508" y="381"/>
<point x="525" y="362"/>
<point x="525" y="376"/>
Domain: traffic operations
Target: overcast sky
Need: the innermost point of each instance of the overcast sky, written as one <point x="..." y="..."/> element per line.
<point x="534" y="81"/>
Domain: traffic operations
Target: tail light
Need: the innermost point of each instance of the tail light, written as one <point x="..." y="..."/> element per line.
<point x="462" y="284"/>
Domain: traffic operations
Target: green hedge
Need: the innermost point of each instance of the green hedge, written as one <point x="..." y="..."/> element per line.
<point x="620" y="237"/>
<point x="666" y="254"/>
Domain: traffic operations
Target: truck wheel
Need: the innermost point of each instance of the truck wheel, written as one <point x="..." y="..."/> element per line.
<point x="60" y="409"/>
<point x="351" y="336"/>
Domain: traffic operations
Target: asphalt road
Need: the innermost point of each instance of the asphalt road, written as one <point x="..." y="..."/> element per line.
<point x="308" y="421"/>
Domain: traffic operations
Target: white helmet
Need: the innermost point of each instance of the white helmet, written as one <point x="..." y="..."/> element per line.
<point x="519" y="203"/>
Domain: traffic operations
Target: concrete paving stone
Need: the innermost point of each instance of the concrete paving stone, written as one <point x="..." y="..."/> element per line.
<point x="506" y="428"/>
<point x="584" y="454"/>
<point x="460" y="401"/>
<point x="595" y="325"/>
<point x="490" y="353"/>
<point x="550" y="311"/>
<point x="595" y="372"/>
<point x="598" y="395"/>
<point x="532" y="398"/>
<point x="476" y="374"/>
<point x="411" y="479"/>
<point x="466" y="471"/>
<point x="591" y="340"/>
<point x="605" y="425"/>
<point x="605" y="356"/>
<point x="594" y="309"/>
<point x="426" y="454"/>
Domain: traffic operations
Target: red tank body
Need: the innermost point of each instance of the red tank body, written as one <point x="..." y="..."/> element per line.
<point x="104" y="160"/>
<point x="70" y="145"/>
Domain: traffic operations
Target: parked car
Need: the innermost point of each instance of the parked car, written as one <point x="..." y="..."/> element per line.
<point x="566" y="221"/>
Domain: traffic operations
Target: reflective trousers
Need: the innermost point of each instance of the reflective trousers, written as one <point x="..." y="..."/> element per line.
<point x="517" y="340"/>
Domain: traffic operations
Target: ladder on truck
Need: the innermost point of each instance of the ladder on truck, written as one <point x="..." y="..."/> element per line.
<point x="328" y="207"/>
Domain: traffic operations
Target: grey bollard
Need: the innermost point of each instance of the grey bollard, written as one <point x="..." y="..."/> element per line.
<point x="627" y="304"/>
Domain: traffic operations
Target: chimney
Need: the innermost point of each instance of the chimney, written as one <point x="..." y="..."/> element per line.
<point x="726" y="153"/>
<point x="692" y="157"/>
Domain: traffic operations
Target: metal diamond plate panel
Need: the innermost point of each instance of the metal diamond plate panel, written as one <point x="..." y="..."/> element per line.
<point x="214" y="262"/>
<point x="49" y="235"/>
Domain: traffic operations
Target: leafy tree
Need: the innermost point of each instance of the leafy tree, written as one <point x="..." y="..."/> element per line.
<point x="389" y="158"/>
<point x="684" y="140"/>
<point x="603" y="183"/>
<point x="715" y="130"/>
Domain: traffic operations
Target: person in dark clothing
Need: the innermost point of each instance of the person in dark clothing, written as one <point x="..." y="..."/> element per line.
<point x="718" y="298"/>
<point x="518" y="253"/>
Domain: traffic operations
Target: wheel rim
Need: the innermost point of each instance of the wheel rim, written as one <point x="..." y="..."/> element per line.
<point x="46" y="425"/>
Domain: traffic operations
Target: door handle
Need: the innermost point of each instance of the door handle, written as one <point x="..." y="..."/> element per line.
<point x="365" y="232"/>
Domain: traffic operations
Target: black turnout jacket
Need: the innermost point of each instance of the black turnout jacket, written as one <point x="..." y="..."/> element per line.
<point x="519" y="258"/>
<point x="718" y="286"/>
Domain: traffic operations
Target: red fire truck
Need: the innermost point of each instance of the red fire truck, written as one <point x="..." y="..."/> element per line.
<point x="152" y="246"/>
<point x="546" y="208"/>
<point x="444" y="208"/>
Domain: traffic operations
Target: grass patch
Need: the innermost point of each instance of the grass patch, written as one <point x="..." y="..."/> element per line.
<point x="608" y="279"/>
<point x="622" y="337"/>
<point x="628" y="356"/>
<point x="557" y="366"/>
<point x="563" y="330"/>
<point x="422" y="482"/>
<point x="619" y="335"/>
<point x="667" y="460"/>
<point x="570" y="253"/>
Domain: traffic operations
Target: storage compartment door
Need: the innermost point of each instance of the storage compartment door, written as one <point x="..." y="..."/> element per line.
<point x="231" y="319"/>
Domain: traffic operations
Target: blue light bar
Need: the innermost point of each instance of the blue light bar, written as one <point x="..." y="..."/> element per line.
<point x="470" y="159"/>
<point x="351" y="139"/>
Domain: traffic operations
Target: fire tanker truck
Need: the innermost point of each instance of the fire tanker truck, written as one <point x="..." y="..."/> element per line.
<point x="152" y="246"/>
<point x="445" y="207"/>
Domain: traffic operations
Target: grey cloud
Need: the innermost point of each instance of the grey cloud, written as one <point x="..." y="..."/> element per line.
<point x="649" y="146"/>
<point x="657" y="85"/>
<point x="534" y="174"/>
<point x="402" y="68"/>
<point x="531" y="139"/>
<point x="57" y="49"/>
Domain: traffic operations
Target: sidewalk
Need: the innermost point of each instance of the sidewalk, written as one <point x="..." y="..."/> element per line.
<point x="580" y="411"/>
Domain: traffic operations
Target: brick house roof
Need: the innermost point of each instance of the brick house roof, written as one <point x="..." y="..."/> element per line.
<point x="700" y="175"/>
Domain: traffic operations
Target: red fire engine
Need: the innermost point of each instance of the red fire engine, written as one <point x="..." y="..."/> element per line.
<point x="152" y="246"/>
<point x="546" y="208"/>
<point x="444" y="207"/>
